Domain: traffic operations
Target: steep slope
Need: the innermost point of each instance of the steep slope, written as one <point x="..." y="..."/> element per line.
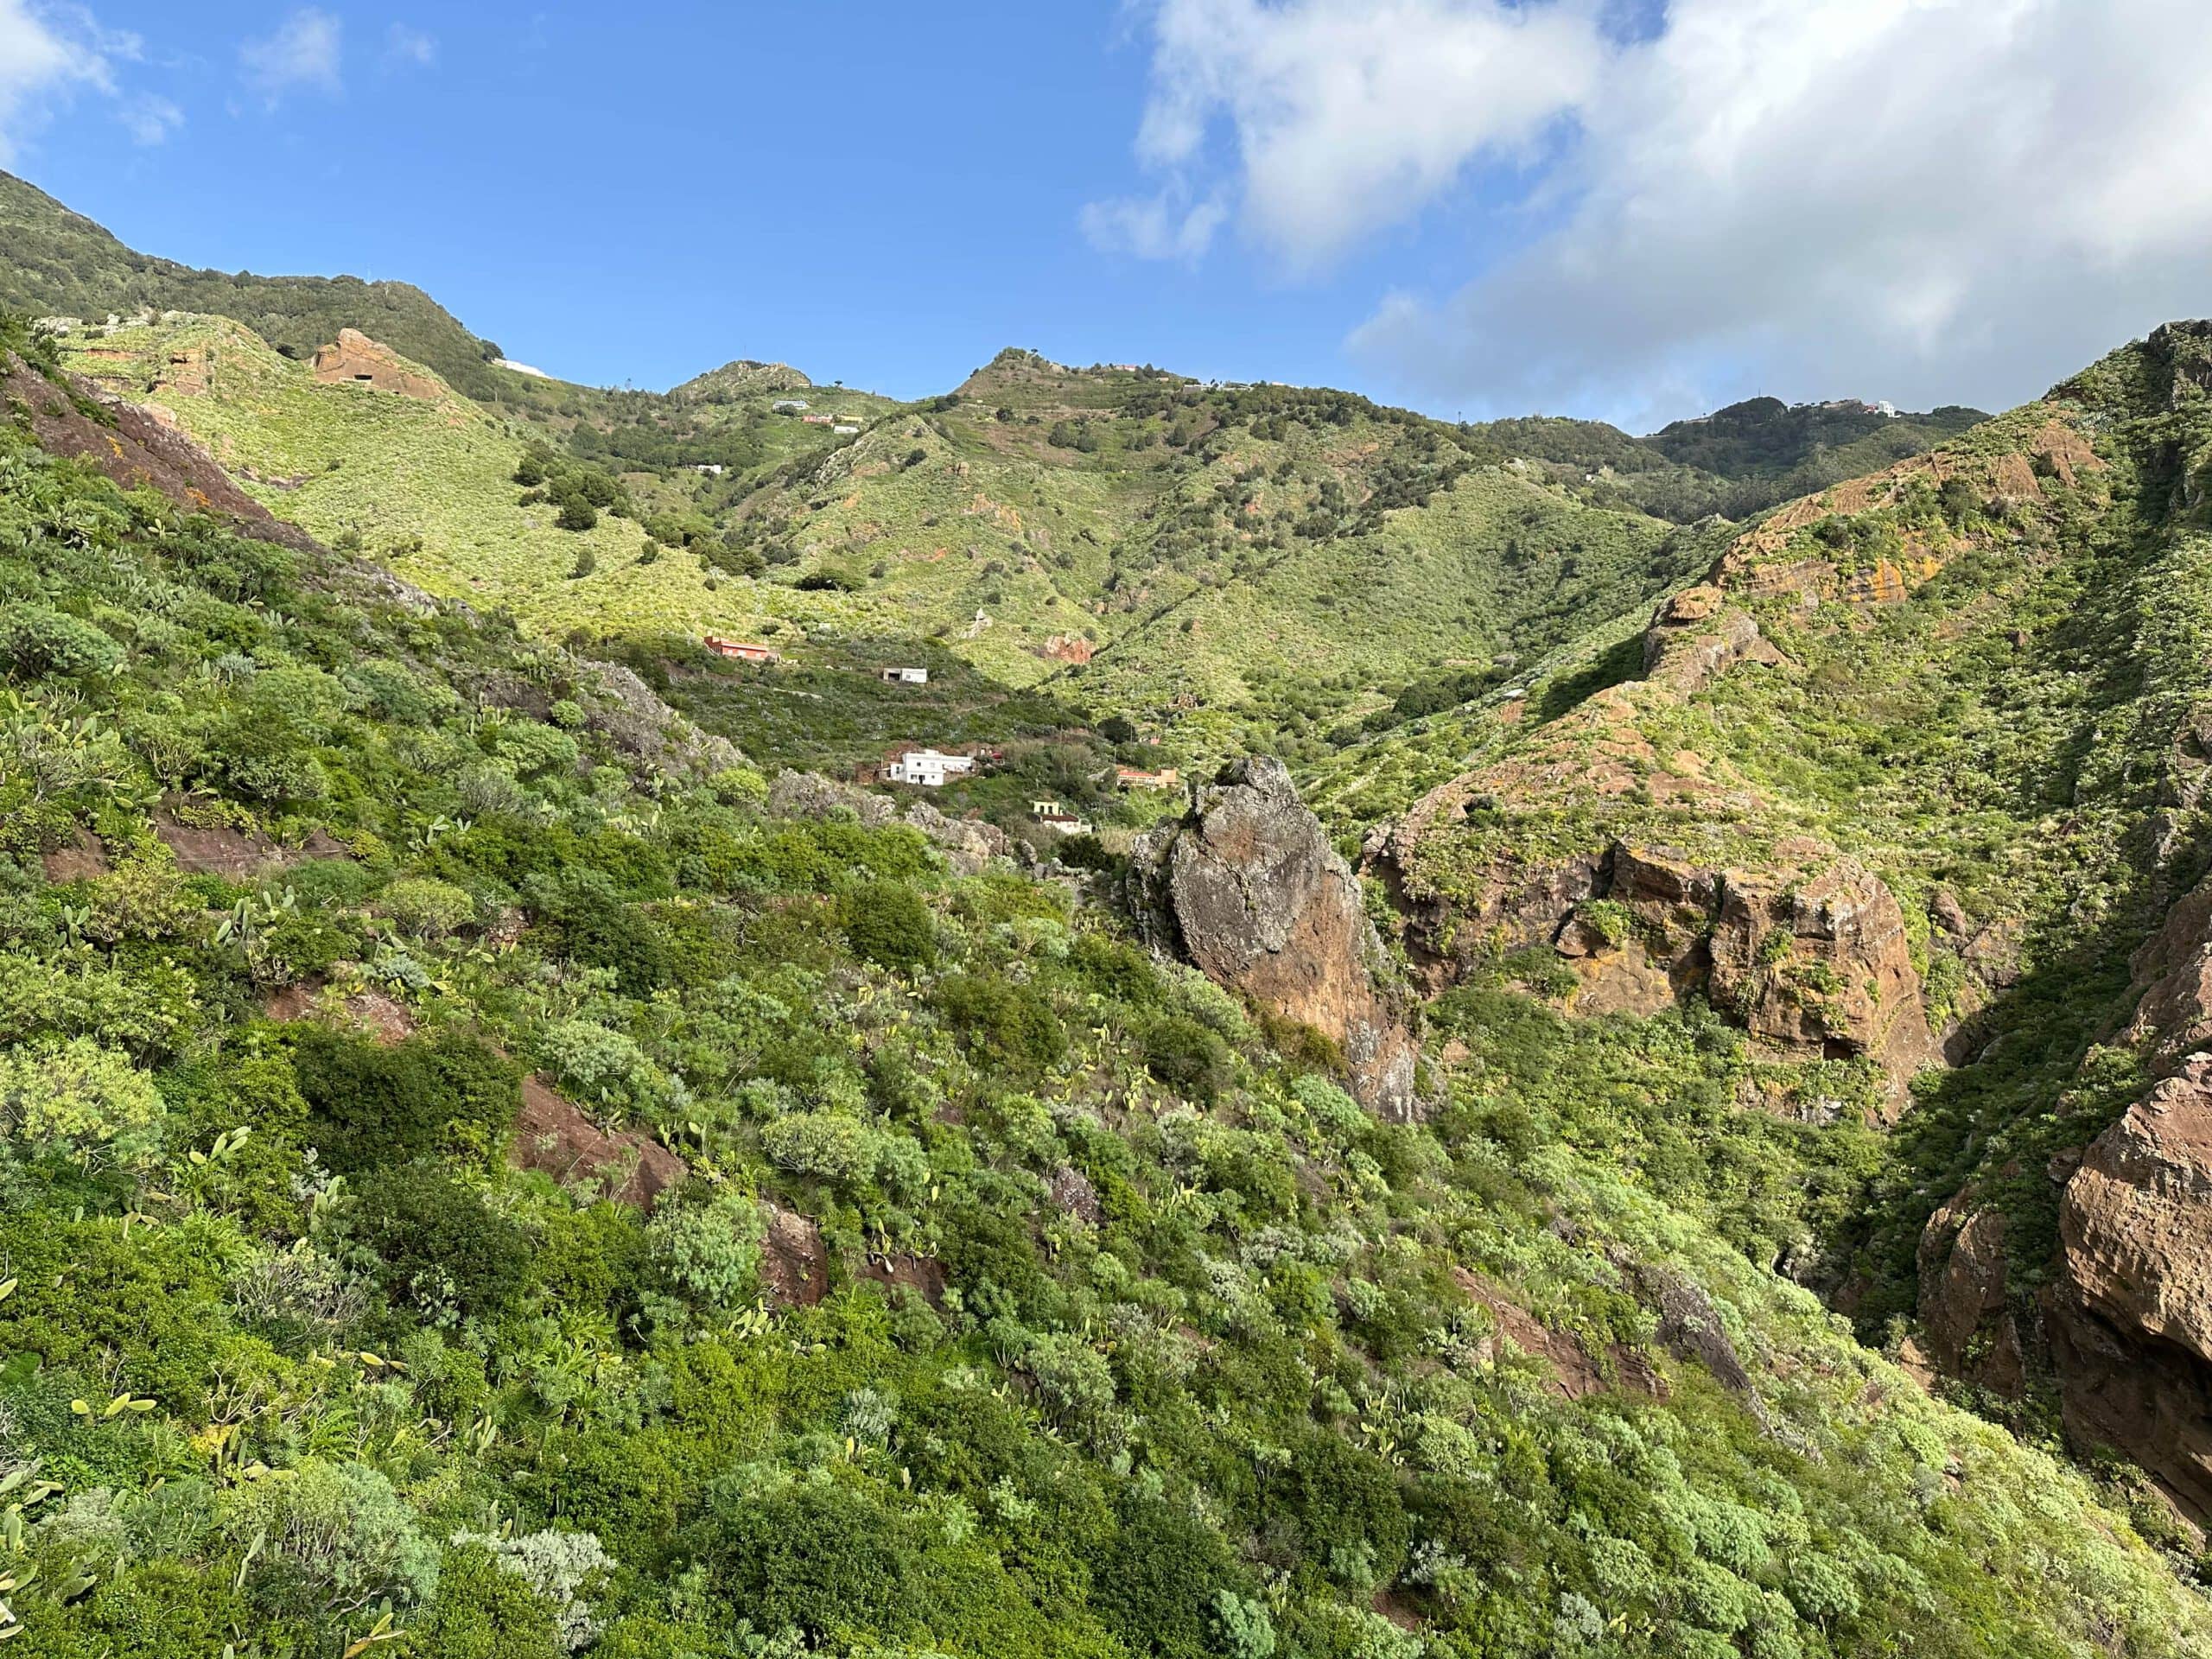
<point x="1215" y="564"/>
<point x="481" y="1178"/>
<point x="53" y="262"/>
<point x="1914" y="762"/>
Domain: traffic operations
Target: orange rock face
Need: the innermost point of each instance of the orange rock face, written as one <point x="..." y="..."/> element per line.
<point x="357" y="359"/>
<point x="1068" y="648"/>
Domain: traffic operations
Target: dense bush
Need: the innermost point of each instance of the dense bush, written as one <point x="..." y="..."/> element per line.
<point x="375" y="1105"/>
<point x="434" y="1245"/>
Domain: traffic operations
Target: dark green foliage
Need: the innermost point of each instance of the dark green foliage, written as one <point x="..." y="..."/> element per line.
<point x="485" y="1612"/>
<point x="1000" y="1021"/>
<point x="1155" y="1582"/>
<point x="1187" y="1057"/>
<point x="591" y="923"/>
<point x="436" y="1246"/>
<point x="889" y="923"/>
<point x="374" y="1105"/>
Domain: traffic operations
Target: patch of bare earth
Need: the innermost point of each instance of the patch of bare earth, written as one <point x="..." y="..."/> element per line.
<point x="551" y="1133"/>
<point x="82" y="859"/>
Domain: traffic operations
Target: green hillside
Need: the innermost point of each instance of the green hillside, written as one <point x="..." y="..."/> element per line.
<point x="1770" y="451"/>
<point x="57" y="263"/>
<point x="1250" y="566"/>
<point x="479" y="1183"/>
<point x="1975" y="673"/>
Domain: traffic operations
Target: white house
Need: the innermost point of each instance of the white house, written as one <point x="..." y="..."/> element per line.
<point x="906" y="677"/>
<point x="928" y="768"/>
<point x="844" y="431"/>
<point x="789" y="406"/>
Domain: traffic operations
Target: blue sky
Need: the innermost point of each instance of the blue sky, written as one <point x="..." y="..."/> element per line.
<point x="1631" y="210"/>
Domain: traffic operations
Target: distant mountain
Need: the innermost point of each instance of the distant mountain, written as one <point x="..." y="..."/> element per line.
<point x="1773" y="451"/>
<point x="1734" y="462"/>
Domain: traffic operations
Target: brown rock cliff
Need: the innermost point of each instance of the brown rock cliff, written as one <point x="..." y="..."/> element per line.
<point x="1247" y="888"/>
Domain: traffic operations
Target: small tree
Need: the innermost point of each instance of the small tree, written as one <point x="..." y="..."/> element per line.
<point x="576" y="513"/>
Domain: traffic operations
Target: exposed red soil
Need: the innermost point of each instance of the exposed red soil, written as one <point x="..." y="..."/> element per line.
<point x="552" y="1134"/>
<point x="80" y="861"/>
<point x="794" y="1262"/>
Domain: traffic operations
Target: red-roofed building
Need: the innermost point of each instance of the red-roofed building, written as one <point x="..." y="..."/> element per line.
<point x="740" y="651"/>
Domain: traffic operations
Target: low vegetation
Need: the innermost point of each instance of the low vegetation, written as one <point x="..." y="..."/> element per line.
<point x="1021" y="1293"/>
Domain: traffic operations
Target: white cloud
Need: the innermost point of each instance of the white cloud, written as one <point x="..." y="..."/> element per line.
<point x="303" y="54"/>
<point x="1349" y="115"/>
<point x="1161" y="227"/>
<point x="45" y="59"/>
<point x="1921" y="199"/>
<point x="150" y="119"/>
<point x="403" y="44"/>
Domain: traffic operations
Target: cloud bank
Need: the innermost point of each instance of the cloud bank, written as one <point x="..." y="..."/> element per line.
<point x="1922" y="199"/>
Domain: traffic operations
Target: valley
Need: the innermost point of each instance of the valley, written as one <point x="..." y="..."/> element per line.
<point x="1502" y="1041"/>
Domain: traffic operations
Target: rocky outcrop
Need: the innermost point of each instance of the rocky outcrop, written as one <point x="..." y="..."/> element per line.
<point x="1247" y="888"/>
<point x="1068" y="648"/>
<point x="1696" y="634"/>
<point x="1967" y="1326"/>
<point x="2172" y="977"/>
<point x="354" y="359"/>
<point x="809" y="795"/>
<point x="1819" y="968"/>
<point x="968" y="844"/>
<point x="631" y="714"/>
<point x="2131" y="1315"/>
<point x="1808" y="954"/>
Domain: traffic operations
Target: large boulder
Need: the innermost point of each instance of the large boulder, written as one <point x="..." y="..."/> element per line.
<point x="2131" y="1315"/>
<point x="1247" y="888"/>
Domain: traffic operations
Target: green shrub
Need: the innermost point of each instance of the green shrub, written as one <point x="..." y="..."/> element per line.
<point x="376" y="1105"/>
<point x="426" y="906"/>
<point x="434" y="1245"/>
<point x="79" y="1095"/>
<point x="38" y="640"/>
<point x="888" y="923"/>
<point x="483" y="1610"/>
<point x="1188" y="1057"/>
<point x="1156" y="1583"/>
<point x="1002" y="1022"/>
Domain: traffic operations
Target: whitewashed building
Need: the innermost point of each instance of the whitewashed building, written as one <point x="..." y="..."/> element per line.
<point x="906" y="677"/>
<point x="928" y="768"/>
